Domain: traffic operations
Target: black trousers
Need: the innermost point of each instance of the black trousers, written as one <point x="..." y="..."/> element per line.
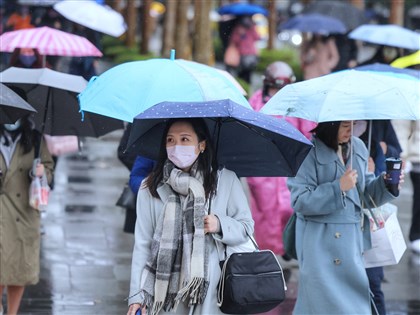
<point x="415" y="219"/>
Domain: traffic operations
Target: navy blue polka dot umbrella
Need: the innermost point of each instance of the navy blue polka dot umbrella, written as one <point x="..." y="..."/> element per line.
<point x="246" y="142"/>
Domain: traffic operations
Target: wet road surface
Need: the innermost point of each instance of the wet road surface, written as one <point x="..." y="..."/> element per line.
<point x="86" y="257"/>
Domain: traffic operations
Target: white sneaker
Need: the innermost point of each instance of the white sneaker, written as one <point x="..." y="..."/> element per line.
<point x="415" y="246"/>
<point x="1" y="310"/>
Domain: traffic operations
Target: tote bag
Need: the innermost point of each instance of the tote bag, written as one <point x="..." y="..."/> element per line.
<point x="388" y="244"/>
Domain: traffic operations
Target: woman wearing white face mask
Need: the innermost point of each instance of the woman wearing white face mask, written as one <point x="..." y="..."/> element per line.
<point x="177" y="243"/>
<point x="19" y="223"/>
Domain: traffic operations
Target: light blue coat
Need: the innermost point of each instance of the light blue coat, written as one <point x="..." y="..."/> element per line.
<point x="330" y="233"/>
<point x="230" y="205"/>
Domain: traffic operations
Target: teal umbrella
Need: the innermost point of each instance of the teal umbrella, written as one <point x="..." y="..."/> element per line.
<point x="126" y="90"/>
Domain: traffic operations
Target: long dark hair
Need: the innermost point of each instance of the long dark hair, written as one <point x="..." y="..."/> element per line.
<point x="327" y="132"/>
<point x="29" y="138"/>
<point x="207" y="162"/>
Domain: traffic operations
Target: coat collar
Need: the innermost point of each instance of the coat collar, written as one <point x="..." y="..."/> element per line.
<point x="324" y="154"/>
<point x="164" y="191"/>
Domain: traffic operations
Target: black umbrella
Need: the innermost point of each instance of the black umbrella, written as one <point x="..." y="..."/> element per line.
<point x="246" y="142"/>
<point x="341" y="10"/>
<point x="54" y="95"/>
<point x="12" y="106"/>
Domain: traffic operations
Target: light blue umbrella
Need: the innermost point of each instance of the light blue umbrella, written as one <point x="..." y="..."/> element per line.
<point x="349" y="95"/>
<point x="388" y="35"/>
<point x="126" y="90"/>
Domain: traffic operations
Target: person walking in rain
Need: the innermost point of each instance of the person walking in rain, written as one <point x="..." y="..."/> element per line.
<point x="331" y="230"/>
<point x="318" y="56"/>
<point x="190" y="210"/>
<point x="269" y="196"/>
<point x="19" y="223"/>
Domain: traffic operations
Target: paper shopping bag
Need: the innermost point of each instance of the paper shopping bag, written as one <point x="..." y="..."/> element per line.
<point x="388" y="244"/>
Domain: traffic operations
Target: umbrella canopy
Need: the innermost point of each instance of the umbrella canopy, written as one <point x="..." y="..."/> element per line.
<point x="240" y="8"/>
<point x="247" y="142"/>
<point x="126" y="90"/>
<point x="341" y="10"/>
<point x="407" y="61"/>
<point x="315" y="23"/>
<point x="48" y="41"/>
<point x="12" y="106"/>
<point x="388" y="35"/>
<point x="93" y="15"/>
<point x="54" y="95"/>
<point x="387" y="68"/>
<point x="349" y="95"/>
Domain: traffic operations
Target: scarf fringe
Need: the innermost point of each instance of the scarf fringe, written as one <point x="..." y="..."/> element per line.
<point x="195" y="291"/>
<point x="170" y="303"/>
<point x="148" y="299"/>
<point x="157" y="306"/>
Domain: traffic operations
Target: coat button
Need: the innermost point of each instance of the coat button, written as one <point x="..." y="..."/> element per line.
<point x="337" y="261"/>
<point x="18" y="195"/>
<point x="17" y="219"/>
<point x="337" y="235"/>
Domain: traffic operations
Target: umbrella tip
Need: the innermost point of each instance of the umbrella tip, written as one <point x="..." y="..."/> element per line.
<point x="172" y="54"/>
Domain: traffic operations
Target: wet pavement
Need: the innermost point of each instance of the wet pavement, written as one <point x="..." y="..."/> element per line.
<point x="86" y="257"/>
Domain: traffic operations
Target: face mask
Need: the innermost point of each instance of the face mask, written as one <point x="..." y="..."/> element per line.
<point x="13" y="127"/>
<point x="27" y="60"/>
<point x="182" y="156"/>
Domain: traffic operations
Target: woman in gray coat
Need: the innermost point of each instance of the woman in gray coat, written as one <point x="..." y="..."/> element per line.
<point x="331" y="230"/>
<point x="187" y="211"/>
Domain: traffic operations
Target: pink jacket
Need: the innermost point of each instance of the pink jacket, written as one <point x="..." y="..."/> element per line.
<point x="244" y="39"/>
<point x="270" y="197"/>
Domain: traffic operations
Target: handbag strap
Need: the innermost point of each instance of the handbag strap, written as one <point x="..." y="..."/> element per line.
<point x="365" y="203"/>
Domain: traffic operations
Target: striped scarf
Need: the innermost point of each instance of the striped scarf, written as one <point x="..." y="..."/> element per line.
<point x="178" y="265"/>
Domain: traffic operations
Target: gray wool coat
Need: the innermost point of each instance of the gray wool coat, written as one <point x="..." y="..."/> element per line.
<point x="330" y="233"/>
<point x="231" y="207"/>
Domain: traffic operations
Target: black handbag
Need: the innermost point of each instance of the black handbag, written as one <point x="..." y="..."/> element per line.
<point x="289" y="237"/>
<point x="127" y="198"/>
<point x="250" y="283"/>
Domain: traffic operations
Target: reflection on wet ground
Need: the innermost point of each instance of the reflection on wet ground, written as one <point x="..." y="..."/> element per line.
<point x="86" y="257"/>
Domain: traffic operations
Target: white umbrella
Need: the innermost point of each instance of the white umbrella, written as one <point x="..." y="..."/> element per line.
<point x="388" y="35"/>
<point x="349" y="95"/>
<point x="92" y="15"/>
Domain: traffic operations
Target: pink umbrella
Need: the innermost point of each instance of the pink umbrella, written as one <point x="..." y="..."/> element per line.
<point x="48" y="41"/>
